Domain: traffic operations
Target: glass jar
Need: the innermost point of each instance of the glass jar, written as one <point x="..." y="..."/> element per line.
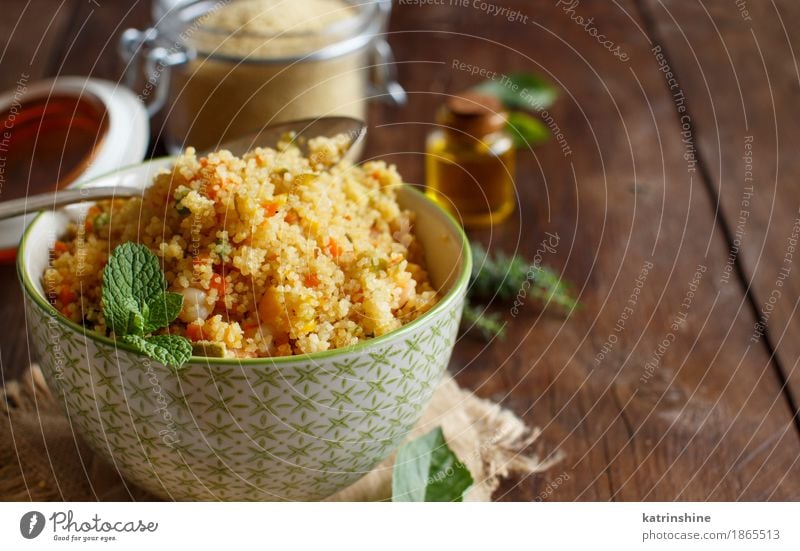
<point x="470" y="161"/>
<point x="222" y="69"/>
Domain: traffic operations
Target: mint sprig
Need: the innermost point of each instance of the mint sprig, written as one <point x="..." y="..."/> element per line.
<point x="526" y="130"/>
<point x="136" y="303"/>
<point x="426" y="469"/>
<point x="521" y="91"/>
<point x="170" y="350"/>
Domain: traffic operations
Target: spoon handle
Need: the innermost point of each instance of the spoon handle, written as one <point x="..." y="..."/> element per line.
<point x="303" y="129"/>
<point x="60" y="198"/>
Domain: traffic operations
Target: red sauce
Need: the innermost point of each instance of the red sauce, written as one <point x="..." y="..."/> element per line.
<point x="47" y="142"/>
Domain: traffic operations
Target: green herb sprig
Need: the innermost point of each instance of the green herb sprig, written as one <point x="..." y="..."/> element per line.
<point x="136" y="303"/>
<point x="426" y="469"/>
<point x="521" y="92"/>
<point x="488" y="325"/>
<point x="503" y="277"/>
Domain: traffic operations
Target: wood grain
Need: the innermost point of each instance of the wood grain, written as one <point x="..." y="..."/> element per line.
<point x="712" y="423"/>
<point x="748" y="139"/>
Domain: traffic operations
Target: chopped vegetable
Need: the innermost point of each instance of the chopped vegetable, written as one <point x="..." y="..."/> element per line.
<point x="218" y="284"/>
<point x="223" y="248"/>
<point x="66" y="295"/>
<point x="334" y="248"/>
<point x="101" y="220"/>
<point x="210" y="349"/>
<point x="270" y="208"/>
<point x="194" y="332"/>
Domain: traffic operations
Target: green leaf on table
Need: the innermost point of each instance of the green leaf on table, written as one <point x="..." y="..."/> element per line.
<point x="521" y="91"/>
<point x="170" y="350"/>
<point x="426" y="469"/>
<point x="526" y="130"/>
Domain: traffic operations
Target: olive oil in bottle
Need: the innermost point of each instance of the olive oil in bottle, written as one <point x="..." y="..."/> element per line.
<point x="470" y="161"/>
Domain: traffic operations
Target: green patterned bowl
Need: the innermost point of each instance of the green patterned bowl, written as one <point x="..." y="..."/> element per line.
<point x="294" y="428"/>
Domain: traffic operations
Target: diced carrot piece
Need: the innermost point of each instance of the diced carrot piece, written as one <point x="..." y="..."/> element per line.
<point x="66" y="295"/>
<point x="334" y="248"/>
<point x="218" y="283"/>
<point x="271" y="310"/>
<point x="194" y="332"/>
<point x="60" y="247"/>
<point x="311" y="280"/>
<point x="270" y="208"/>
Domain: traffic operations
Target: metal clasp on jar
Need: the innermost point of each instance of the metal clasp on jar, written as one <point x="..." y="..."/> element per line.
<point x="385" y="86"/>
<point x="158" y="60"/>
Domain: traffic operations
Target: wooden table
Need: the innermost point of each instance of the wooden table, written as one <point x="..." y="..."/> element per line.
<point x="675" y="196"/>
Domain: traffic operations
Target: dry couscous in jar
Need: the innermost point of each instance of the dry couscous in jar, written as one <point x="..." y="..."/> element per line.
<point x="220" y="69"/>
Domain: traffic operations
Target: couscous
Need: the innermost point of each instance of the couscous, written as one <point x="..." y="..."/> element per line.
<point x="274" y="253"/>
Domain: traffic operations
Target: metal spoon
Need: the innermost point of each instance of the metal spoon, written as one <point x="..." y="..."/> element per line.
<point x="304" y="130"/>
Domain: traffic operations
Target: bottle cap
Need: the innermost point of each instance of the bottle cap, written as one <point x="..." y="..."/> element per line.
<point x="474" y="114"/>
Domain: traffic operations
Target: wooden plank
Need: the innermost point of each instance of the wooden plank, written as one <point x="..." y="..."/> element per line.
<point x="31" y="31"/>
<point x="710" y="421"/>
<point x="748" y="137"/>
<point x="91" y="46"/>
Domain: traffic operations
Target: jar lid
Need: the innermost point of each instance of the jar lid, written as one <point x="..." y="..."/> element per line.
<point x="474" y="114"/>
<point x="270" y="31"/>
<point x="59" y="133"/>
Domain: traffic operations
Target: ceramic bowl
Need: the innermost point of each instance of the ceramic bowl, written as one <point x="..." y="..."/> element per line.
<point x="290" y="428"/>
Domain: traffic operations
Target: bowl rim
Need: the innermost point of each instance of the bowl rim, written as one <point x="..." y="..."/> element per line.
<point x="457" y="289"/>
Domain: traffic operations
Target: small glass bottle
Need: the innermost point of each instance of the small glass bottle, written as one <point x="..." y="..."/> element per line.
<point x="470" y="161"/>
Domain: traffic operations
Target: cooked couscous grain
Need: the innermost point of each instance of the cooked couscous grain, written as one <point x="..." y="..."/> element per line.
<point x="275" y="254"/>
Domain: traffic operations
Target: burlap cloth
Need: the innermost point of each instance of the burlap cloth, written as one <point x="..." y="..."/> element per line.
<point x="41" y="459"/>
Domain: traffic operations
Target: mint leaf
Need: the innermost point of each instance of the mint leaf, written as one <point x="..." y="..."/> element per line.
<point x="426" y="469"/>
<point x="170" y="350"/>
<point x="132" y="280"/>
<point x="521" y="91"/>
<point x="163" y="309"/>
<point x="136" y="303"/>
<point x="526" y="130"/>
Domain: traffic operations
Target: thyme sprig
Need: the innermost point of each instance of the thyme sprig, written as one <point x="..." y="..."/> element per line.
<point x="510" y="279"/>
<point x="487" y="325"/>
